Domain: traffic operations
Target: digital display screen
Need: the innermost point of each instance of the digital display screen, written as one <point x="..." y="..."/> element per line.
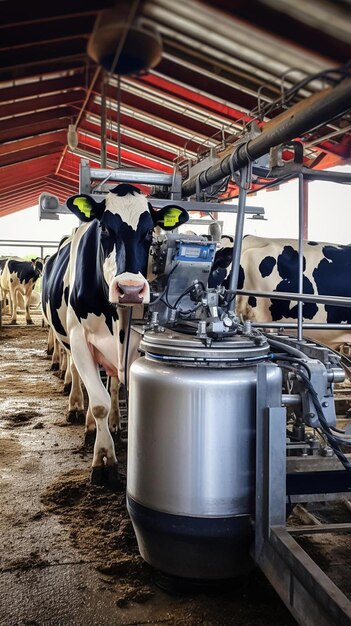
<point x="193" y="251"/>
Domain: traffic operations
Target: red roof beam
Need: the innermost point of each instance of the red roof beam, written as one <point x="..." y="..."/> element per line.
<point x="44" y="102"/>
<point x="37" y="167"/>
<point x="44" y="67"/>
<point x="174" y="136"/>
<point x="139" y="142"/>
<point x="42" y="86"/>
<point x="50" y="51"/>
<point x="31" y="153"/>
<point x="195" y="118"/>
<point x="206" y="94"/>
<point x="35" y="124"/>
<point x="38" y="140"/>
<point x="43" y="31"/>
<point x="128" y="158"/>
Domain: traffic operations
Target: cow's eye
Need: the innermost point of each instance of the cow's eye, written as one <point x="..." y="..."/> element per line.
<point x="104" y="230"/>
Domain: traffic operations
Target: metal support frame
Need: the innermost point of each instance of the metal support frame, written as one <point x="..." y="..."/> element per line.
<point x="103" y="139"/>
<point x="12" y="243"/>
<point x="239" y="230"/>
<point x="306" y="590"/>
<point x="301" y="193"/>
<point x="298" y="120"/>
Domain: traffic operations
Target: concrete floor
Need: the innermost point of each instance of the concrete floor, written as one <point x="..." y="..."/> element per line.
<point x="47" y="576"/>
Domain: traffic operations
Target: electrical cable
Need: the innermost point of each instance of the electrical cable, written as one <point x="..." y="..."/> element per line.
<point x="166" y="286"/>
<point x="130" y="312"/>
<point x="333" y="440"/>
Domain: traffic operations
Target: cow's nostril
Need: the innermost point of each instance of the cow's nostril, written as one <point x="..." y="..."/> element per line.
<point x="129" y="293"/>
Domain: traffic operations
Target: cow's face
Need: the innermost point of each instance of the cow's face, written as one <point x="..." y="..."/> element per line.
<point x="38" y="265"/>
<point x="126" y="223"/>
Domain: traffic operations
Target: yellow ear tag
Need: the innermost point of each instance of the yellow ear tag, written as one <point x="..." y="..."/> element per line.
<point x="172" y="217"/>
<point x="83" y="205"/>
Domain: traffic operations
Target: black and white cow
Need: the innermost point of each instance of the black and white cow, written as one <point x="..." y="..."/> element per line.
<point x="272" y="265"/>
<point x="18" y="279"/>
<point x="88" y="286"/>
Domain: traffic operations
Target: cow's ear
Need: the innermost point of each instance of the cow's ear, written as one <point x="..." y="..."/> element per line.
<point x="85" y="207"/>
<point x="169" y="217"/>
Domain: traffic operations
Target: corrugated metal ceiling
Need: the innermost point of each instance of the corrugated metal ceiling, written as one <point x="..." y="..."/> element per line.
<point x="215" y="64"/>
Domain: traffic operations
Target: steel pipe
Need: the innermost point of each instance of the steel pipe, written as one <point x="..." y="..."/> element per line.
<point x="307" y="326"/>
<point x="148" y="177"/>
<point x="301" y="203"/>
<point x="238" y="239"/>
<point x="279" y="295"/>
<point x="299" y="119"/>
<point x="291" y="399"/>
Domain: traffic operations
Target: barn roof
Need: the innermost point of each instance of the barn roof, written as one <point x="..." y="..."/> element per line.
<point x="221" y="66"/>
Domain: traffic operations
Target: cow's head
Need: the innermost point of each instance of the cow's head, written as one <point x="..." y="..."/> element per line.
<point x="38" y="265"/>
<point x="126" y="221"/>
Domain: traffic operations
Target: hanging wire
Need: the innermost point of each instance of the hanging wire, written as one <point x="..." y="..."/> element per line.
<point x="121" y="43"/>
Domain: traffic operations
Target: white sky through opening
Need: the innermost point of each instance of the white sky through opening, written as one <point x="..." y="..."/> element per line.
<point x="329" y="218"/>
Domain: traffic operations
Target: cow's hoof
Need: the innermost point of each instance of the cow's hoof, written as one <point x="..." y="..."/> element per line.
<point x="67" y="389"/>
<point x="29" y="322"/>
<point x="107" y="476"/>
<point x="76" y="417"/>
<point x="89" y="438"/>
<point x="55" y="367"/>
<point x="113" y="481"/>
<point x="50" y="351"/>
<point x="61" y="375"/>
<point x="97" y="476"/>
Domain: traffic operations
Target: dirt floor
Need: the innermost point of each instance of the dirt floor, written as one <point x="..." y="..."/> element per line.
<point x="68" y="552"/>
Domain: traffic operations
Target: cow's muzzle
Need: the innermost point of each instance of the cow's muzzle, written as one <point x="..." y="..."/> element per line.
<point x="129" y="291"/>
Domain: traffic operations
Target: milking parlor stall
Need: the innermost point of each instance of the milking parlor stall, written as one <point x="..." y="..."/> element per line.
<point x="175" y="321"/>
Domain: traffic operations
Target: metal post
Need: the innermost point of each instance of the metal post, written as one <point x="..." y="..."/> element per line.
<point x="301" y="259"/>
<point x="103" y="148"/>
<point x="239" y="229"/>
<point x="119" y="121"/>
<point x="270" y="455"/>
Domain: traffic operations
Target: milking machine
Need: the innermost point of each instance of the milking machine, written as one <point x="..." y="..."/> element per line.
<point x="216" y="407"/>
<point x="193" y="416"/>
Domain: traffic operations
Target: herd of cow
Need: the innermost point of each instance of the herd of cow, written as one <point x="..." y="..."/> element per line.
<point x="100" y="271"/>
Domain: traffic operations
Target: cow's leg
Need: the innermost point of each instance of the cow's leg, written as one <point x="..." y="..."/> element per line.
<point x="68" y="376"/>
<point x="113" y="416"/>
<point x="90" y="428"/>
<point x="63" y="363"/>
<point x="104" y="460"/>
<point x="26" y="298"/>
<point x="6" y="301"/>
<point x="13" y="303"/>
<point x="55" y="360"/>
<point x="51" y="342"/>
<point x="76" y="398"/>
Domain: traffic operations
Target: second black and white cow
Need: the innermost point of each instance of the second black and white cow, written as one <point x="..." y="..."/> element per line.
<point x="272" y="265"/>
<point x="88" y="285"/>
<point x="18" y="278"/>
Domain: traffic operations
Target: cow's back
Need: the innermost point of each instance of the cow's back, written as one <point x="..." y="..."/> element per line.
<point x="55" y="290"/>
<point x="272" y="265"/>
